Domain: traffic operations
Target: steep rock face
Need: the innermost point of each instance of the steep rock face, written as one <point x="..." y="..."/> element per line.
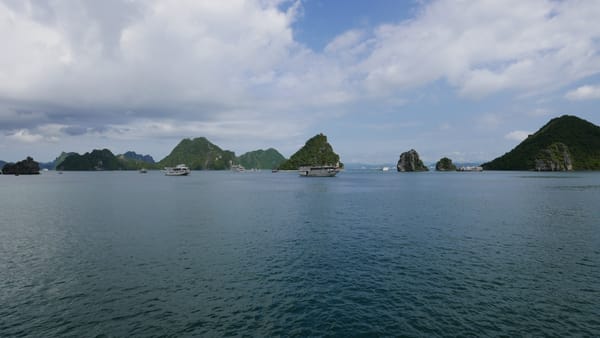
<point x="445" y="164"/>
<point x="410" y="161"/>
<point x="26" y="167"/>
<point x="554" y="158"/>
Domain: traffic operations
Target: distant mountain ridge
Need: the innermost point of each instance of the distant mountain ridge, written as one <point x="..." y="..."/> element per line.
<point x="198" y="154"/>
<point x="564" y="143"/>
<point x="132" y="155"/>
<point x="98" y="159"/>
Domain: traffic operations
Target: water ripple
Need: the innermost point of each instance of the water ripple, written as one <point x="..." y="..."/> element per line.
<point x="273" y="255"/>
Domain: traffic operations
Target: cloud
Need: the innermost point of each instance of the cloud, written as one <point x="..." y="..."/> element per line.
<point x="199" y="59"/>
<point x="584" y="93"/>
<point x="24" y="136"/>
<point x="517" y="135"/>
<point x="115" y="70"/>
<point x="486" y="47"/>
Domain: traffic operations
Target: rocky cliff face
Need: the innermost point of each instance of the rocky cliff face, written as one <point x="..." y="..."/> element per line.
<point x="554" y="158"/>
<point x="410" y="161"/>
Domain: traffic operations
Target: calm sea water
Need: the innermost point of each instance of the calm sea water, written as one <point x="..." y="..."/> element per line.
<point x="364" y="253"/>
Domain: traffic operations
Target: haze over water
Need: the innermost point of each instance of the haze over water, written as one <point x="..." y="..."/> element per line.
<point x="221" y="253"/>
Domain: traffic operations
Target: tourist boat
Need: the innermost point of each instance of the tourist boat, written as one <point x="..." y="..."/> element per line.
<point x="179" y="170"/>
<point x="319" y="171"/>
<point x="385" y="169"/>
<point x="238" y="167"/>
<point x="470" y="168"/>
<point x="143" y="171"/>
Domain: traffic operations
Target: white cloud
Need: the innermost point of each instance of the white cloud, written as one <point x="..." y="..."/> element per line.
<point x="517" y="135"/>
<point x="24" y="136"/>
<point x="485" y="47"/>
<point x="584" y="93"/>
<point x="166" y="69"/>
<point x="198" y="58"/>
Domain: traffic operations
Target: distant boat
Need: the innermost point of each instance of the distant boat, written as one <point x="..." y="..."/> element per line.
<point x="143" y="171"/>
<point x="470" y="168"/>
<point x="385" y="169"/>
<point x="318" y="171"/>
<point x="179" y="170"/>
<point x="238" y="167"/>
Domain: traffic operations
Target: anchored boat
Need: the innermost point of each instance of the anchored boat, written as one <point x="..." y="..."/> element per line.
<point x="319" y="171"/>
<point x="179" y="170"/>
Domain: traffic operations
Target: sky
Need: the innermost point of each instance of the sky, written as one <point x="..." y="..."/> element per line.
<point x="466" y="79"/>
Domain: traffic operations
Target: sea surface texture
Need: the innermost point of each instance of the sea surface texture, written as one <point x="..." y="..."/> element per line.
<point x="364" y="253"/>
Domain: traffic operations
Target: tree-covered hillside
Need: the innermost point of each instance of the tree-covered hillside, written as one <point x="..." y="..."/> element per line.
<point x="96" y="160"/>
<point x="316" y="151"/>
<point x="581" y="138"/>
<point x="261" y="159"/>
<point x="199" y="154"/>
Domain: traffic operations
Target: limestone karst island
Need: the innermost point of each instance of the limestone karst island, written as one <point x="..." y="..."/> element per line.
<point x="565" y="143"/>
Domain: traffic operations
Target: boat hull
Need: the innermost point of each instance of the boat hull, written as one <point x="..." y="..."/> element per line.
<point x="325" y="171"/>
<point x="177" y="174"/>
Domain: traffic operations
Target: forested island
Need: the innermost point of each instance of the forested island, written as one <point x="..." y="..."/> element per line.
<point x="316" y="151"/>
<point x="563" y="144"/>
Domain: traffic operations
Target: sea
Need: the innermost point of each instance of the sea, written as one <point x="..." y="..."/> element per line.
<point x="366" y="253"/>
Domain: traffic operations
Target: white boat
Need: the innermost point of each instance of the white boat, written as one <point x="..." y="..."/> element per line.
<point x="143" y="171"/>
<point x="238" y="167"/>
<point x="179" y="170"/>
<point x="319" y="171"/>
<point x="385" y="169"/>
<point x="470" y="168"/>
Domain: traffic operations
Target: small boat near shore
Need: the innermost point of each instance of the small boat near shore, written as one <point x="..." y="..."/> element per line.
<point x="318" y="171"/>
<point x="179" y="170"/>
<point x="143" y="171"/>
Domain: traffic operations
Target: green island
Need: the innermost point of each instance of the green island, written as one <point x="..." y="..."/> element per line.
<point x="564" y="143"/>
<point x="445" y="164"/>
<point x="316" y="151"/>
<point x="261" y="159"/>
<point x="26" y="167"/>
<point x="198" y="154"/>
